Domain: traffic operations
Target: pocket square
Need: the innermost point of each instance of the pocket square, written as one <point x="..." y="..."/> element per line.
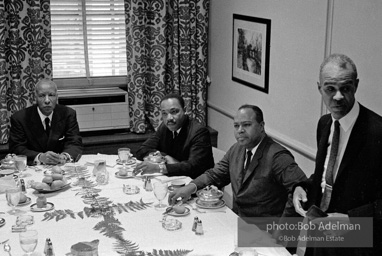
<point x="63" y="137"/>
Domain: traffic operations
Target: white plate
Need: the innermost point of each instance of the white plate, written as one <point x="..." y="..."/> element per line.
<point x="2" y="222"/>
<point x="217" y="206"/>
<point x="54" y="190"/>
<point x="130" y="162"/>
<point x="6" y="172"/>
<point x="123" y="177"/>
<point x="49" y="206"/>
<point x="174" y="214"/>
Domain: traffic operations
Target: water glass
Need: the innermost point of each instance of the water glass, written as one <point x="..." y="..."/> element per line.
<point x="124" y="155"/>
<point x="28" y="241"/>
<point x="160" y="191"/>
<point x="21" y="164"/>
<point x="13" y="198"/>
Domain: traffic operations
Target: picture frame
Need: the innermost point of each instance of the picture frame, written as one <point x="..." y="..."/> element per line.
<point x="251" y="51"/>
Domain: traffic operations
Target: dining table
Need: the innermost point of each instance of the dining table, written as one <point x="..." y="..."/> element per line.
<point x="118" y="222"/>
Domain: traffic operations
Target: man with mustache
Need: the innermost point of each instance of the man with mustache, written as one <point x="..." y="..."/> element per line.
<point x="184" y="142"/>
<point x="47" y="133"/>
<point x="262" y="172"/>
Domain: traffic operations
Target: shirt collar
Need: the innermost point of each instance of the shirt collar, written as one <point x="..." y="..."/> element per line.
<point x="348" y="120"/>
<point x="42" y="116"/>
<point x="253" y="150"/>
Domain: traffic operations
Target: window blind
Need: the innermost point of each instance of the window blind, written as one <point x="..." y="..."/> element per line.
<point x="88" y="38"/>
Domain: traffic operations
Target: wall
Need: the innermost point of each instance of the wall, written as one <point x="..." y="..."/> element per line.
<point x="357" y="32"/>
<point x="292" y="107"/>
<point x="298" y="43"/>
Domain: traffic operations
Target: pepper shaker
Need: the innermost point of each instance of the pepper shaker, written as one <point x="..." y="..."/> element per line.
<point x="194" y="225"/>
<point x="199" y="228"/>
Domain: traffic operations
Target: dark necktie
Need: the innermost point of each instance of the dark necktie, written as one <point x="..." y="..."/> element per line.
<point x="329" y="176"/>
<point x="247" y="163"/>
<point x="47" y="126"/>
<point x="174" y="135"/>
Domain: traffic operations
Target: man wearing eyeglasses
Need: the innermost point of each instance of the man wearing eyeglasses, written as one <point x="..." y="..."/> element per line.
<point x="47" y="133"/>
<point x="184" y="142"/>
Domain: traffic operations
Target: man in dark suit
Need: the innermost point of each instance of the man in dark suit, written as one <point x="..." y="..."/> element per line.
<point x="261" y="171"/>
<point x="47" y="133"/>
<point x="185" y="143"/>
<point x="350" y="185"/>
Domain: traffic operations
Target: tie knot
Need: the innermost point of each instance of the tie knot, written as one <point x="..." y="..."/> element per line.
<point x="249" y="154"/>
<point x="174" y="134"/>
<point x="336" y="124"/>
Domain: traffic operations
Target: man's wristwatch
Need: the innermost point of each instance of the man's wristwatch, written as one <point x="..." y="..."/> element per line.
<point x="162" y="168"/>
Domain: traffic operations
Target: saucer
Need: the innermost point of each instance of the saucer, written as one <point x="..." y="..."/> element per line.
<point x="130" y="162"/>
<point x="174" y="214"/>
<point x="26" y="202"/>
<point x="49" y="206"/>
<point x="6" y="172"/>
<point x="217" y="205"/>
<point x="123" y="177"/>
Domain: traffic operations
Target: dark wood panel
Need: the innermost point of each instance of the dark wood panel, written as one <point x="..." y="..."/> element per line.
<point x="108" y="142"/>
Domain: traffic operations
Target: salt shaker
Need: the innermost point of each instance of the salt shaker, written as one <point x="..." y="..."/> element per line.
<point x="22" y="186"/>
<point x="199" y="228"/>
<point x="49" y="251"/>
<point x="148" y="186"/>
<point x="46" y="245"/>
<point x="194" y="225"/>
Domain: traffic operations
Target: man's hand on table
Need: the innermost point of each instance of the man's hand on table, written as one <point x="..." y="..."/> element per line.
<point x="146" y="168"/>
<point x="183" y="192"/>
<point x="52" y="158"/>
<point x="170" y="160"/>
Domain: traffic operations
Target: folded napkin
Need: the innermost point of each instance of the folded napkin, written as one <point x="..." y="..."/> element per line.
<point x="7" y="182"/>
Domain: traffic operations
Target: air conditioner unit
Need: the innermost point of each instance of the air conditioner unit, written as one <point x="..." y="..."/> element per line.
<point x="99" y="108"/>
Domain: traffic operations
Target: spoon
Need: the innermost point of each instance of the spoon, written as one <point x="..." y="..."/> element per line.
<point x="7" y="248"/>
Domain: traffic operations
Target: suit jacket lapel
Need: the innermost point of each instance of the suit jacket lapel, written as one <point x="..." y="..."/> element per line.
<point x="322" y="148"/>
<point x="38" y="129"/>
<point x="255" y="159"/>
<point x="57" y="123"/>
<point x="355" y="141"/>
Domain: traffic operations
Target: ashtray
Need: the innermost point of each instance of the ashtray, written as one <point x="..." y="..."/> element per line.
<point x="24" y="220"/>
<point x="130" y="189"/>
<point x="171" y="224"/>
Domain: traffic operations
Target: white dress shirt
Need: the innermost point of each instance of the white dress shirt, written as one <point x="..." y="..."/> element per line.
<point x="346" y="126"/>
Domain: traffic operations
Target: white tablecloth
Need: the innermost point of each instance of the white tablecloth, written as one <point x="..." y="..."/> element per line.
<point x="142" y="227"/>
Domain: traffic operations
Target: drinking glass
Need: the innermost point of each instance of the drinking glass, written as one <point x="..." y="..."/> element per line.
<point x="124" y="156"/>
<point x="28" y="241"/>
<point x="13" y="198"/>
<point x="21" y="164"/>
<point x="160" y="191"/>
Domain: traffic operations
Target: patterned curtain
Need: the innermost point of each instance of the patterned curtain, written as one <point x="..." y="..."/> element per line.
<point x="166" y="52"/>
<point x="25" y="55"/>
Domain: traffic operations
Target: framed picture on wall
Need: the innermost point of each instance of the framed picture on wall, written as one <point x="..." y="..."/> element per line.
<point x="250" y="51"/>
